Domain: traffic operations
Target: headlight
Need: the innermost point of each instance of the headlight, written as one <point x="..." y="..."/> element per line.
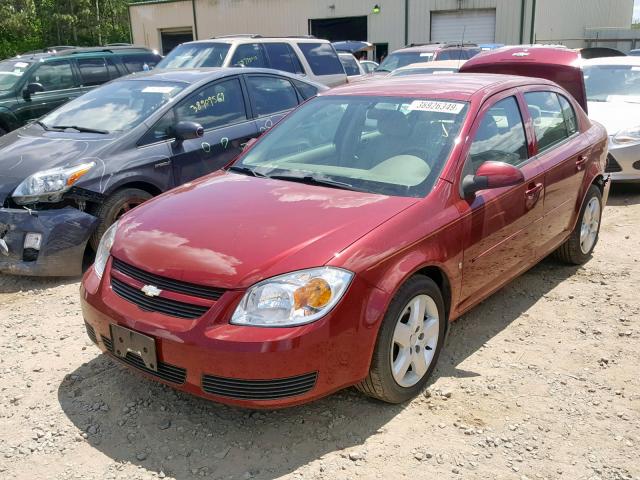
<point x="628" y="135"/>
<point x="104" y="249"/>
<point x="49" y="185"/>
<point x="292" y="299"/>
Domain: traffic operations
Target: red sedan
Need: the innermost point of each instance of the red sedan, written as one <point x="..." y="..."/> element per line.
<point x="336" y="250"/>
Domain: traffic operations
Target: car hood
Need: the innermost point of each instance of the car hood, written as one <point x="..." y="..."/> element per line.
<point x="27" y="151"/>
<point x="615" y="116"/>
<point x="230" y="231"/>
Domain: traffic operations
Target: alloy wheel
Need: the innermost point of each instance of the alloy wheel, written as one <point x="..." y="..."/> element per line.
<point x="590" y="225"/>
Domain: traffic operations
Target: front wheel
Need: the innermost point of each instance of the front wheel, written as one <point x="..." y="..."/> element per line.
<point x="579" y="246"/>
<point x="113" y="208"/>
<point x="409" y="342"/>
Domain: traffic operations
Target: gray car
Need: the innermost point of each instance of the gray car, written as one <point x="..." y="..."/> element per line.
<point x="613" y="95"/>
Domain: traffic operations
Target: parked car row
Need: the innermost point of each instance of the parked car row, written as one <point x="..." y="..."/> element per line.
<point x="334" y="241"/>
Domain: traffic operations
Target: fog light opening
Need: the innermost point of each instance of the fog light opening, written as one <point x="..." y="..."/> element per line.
<point x="31" y="247"/>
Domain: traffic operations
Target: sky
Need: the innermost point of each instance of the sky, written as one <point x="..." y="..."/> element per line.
<point x="636" y="10"/>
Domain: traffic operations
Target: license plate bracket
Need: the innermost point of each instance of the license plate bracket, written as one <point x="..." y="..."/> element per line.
<point x="125" y="340"/>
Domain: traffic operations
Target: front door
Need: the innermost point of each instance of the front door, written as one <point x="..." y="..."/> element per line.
<point x="220" y="108"/>
<point x="59" y="83"/>
<point x="563" y="153"/>
<point x="500" y="225"/>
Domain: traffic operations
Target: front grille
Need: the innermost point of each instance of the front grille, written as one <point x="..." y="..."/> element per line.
<point x="259" y="389"/>
<point x="612" y="165"/>
<point x="91" y="332"/>
<point x="166" y="371"/>
<point x="165" y="283"/>
<point x="157" y="304"/>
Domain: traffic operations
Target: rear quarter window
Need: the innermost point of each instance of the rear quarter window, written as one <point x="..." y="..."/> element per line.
<point x="322" y="58"/>
<point x="136" y="63"/>
<point x="305" y="90"/>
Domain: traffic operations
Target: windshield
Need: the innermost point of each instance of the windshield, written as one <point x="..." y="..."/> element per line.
<point x="423" y="71"/>
<point x="606" y="83"/>
<point x="195" y="55"/>
<point x="10" y="73"/>
<point x="384" y="145"/>
<point x="402" y="59"/>
<point x="114" y="107"/>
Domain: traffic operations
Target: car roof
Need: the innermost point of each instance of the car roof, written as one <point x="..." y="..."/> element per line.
<point x="257" y="39"/>
<point x="434" y="64"/>
<point x="81" y="51"/>
<point x="455" y="86"/>
<point x="629" y="60"/>
<point x="193" y="76"/>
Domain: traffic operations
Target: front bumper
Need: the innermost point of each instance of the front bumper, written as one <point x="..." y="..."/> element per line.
<point x="623" y="163"/>
<point x="64" y="231"/>
<point x="246" y="366"/>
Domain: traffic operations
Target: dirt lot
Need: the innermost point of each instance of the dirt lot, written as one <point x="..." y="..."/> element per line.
<point x="540" y="381"/>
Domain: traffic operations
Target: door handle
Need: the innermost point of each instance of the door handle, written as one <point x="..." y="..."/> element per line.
<point x="534" y="190"/>
<point x="582" y="160"/>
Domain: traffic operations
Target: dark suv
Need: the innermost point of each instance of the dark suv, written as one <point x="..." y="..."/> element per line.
<point x="34" y="84"/>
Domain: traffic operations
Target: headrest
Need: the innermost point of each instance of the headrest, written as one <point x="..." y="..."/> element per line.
<point x="394" y="124"/>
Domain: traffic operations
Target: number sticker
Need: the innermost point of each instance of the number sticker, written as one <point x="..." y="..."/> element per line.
<point x="207" y="102"/>
<point x="436" y="106"/>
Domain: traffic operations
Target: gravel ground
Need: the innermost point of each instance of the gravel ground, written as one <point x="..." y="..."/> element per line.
<point x="540" y="381"/>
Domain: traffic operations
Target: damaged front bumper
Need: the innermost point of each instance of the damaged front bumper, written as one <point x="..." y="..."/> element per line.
<point x="63" y="235"/>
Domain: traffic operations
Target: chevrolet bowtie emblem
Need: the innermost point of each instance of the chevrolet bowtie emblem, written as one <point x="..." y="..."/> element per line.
<point x="151" y="290"/>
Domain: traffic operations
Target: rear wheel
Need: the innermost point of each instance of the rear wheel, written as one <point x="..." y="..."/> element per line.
<point x="579" y="246"/>
<point x="114" y="207"/>
<point x="409" y="342"/>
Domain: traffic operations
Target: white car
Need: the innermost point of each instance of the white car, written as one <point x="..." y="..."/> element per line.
<point x="613" y="96"/>
<point x="352" y="67"/>
<point x="312" y="57"/>
<point x="429" y="68"/>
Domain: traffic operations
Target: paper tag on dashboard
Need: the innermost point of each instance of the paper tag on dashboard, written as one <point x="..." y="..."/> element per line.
<point x="158" y="89"/>
<point x="20" y="64"/>
<point x="436" y="106"/>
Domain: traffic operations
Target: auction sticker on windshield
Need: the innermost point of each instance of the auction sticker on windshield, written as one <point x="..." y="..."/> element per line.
<point x="436" y="106"/>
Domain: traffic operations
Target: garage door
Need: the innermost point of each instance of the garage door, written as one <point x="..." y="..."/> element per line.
<point x="478" y="26"/>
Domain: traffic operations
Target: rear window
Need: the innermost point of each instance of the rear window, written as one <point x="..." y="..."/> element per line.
<point x="140" y="62"/>
<point x="322" y="58"/>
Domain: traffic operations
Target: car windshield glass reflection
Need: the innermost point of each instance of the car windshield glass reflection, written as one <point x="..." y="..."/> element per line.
<point x="612" y="83"/>
<point x="10" y="73"/>
<point x="390" y="146"/>
<point x="196" y="55"/>
<point x="398" y="59"/>
<point x="114" y="107"/>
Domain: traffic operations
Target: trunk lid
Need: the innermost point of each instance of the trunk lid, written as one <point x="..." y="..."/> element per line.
<point x="560" y="65"/>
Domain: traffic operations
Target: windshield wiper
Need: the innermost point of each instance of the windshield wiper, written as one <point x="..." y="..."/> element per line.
<point x="314" y="180"/>
<point x="43" y="125"/>
<point x="80" y="129"/>
<point x="246" y="171"/>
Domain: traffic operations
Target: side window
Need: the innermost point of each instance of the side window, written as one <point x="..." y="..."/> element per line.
<point x="271" y="94"/>
<point x="249" y="55"/>
<point x="215" y="105"/>
<point x="350" y="65"/>
<point x="569" y="115"/>
<point x="113" y="70"/>
<point x="281" y="57"/>
<point x="548" y="119"/>
<point x="54" y="76"/>
<point x="93" y="71"/>
<point x="136" y="63"/>
<point x="162" y="130"/>
<point x="322" y="58"/>
<point x="306" y="90"/>
<point x="500" y="136"/>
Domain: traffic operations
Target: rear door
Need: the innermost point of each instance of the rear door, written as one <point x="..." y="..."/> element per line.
<point x="60" y="85"/>
<point x="563" y="154"/>
<point x="95" y="71"/>
<point x="500" y="225"/>
<point x="221" y="108"/>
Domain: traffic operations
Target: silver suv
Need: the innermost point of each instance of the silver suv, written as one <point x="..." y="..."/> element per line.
<point x="308" y="56"/>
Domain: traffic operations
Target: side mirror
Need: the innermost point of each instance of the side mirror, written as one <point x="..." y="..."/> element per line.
<point x="31" y="89"/>
<point x="188" y="131"/>
<point x="249" y="143"/>
<point x="491" y="175"/>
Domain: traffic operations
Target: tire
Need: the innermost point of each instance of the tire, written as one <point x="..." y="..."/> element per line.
<point x="576" y="250"/>
<point x="381" y="383"/>
<point x="3" y="131"/>
<point x="113" y="207"/>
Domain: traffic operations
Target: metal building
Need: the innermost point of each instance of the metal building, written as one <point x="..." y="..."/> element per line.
<point x="390" y="24"/>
